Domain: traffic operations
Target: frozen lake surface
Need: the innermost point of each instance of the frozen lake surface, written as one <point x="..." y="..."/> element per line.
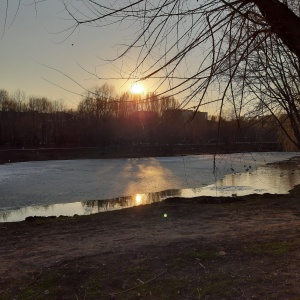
<point x="71" y="185"/>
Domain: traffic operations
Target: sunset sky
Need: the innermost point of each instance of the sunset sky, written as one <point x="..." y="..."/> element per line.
<point x="36" y="49"/>
<point x="33" y="40"/>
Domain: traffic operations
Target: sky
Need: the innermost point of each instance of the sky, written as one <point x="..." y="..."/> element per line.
<point x="35" y="53"/>
<point x="40" y="57"/>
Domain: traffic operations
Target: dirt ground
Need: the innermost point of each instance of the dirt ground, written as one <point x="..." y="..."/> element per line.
<point x="202" y="248"/>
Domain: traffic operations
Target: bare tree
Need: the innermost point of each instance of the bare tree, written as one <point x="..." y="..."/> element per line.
<point x="243" y="53"/>
<point x="246" y="51"/>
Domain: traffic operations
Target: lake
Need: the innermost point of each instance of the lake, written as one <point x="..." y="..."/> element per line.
<point x="88" y="186"/>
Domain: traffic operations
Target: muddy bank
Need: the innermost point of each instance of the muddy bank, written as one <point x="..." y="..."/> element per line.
<point x="203" y="248"/>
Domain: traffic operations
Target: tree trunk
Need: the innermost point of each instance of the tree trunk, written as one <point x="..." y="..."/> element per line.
<point x="283" y="21"/>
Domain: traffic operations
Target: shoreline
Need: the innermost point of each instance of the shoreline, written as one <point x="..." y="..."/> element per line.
<point x="182" y="248"/>
<point x="44" y="154"/>
<point x="79" y="207"/>
<point x="178" y="249"/>
<point x="134" y="151"/>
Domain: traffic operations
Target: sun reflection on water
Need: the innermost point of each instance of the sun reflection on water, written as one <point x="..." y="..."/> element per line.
<point x="267" y="179"/>
<point x="138" y="199"/>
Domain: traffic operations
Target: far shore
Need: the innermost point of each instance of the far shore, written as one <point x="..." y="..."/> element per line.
<point x="129" y="151"/>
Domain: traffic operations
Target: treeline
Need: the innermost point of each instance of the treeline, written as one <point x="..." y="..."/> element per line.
<point x="104" y="119"/>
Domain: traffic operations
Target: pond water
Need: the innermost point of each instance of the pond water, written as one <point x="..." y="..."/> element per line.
<point x="55" y="188"/>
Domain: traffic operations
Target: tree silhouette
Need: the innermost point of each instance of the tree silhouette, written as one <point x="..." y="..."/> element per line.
<point x="242" y="52"/>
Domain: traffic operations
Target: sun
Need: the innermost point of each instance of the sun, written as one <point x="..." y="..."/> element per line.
<point x="137" y="88"/>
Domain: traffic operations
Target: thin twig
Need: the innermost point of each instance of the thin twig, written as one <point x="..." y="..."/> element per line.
<point x="137" y="286"/>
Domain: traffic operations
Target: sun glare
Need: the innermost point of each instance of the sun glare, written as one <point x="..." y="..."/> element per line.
<point x="137" y="88"/>
<point x="138" y="199"/>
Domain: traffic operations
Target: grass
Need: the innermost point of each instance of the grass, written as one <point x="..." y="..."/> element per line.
<point x="220" y="285"/>
<point x="137" y="270"/>
<point x="162" y="289"/>
<point x="44" y="289"/>
<point x="185" y="259"/>
<point x="200" y="254"/>
<point x="270" y="248"/>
